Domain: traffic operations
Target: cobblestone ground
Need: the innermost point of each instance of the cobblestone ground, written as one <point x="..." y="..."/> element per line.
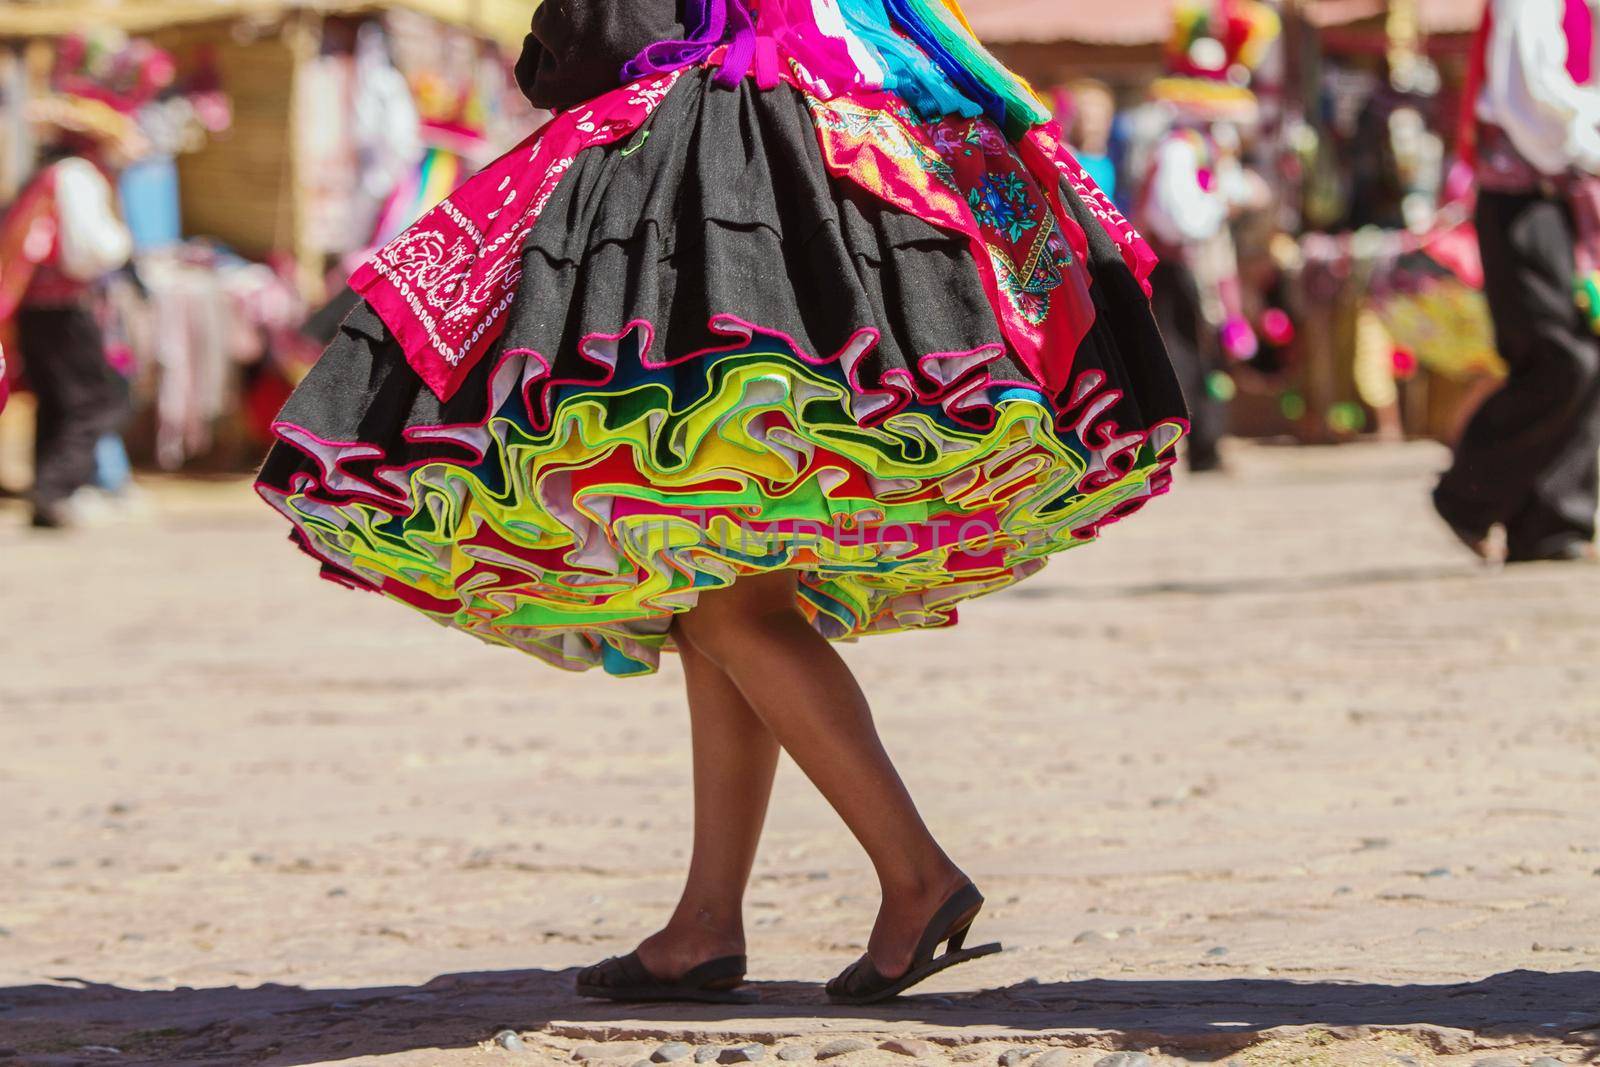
<point x="1273" y="775"/>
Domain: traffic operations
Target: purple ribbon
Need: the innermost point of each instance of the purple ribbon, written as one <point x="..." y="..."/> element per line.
<point x="715" y="22"/>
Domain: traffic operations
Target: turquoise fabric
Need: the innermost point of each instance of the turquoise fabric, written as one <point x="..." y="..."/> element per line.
<point x="909" y="73"/>
<point x="966" y="63"/>
<point x="1103" y="170"/>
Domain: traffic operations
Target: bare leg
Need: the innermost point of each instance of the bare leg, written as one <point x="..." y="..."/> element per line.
<point x="808" y="698"/>
<point x="735" y="757"/>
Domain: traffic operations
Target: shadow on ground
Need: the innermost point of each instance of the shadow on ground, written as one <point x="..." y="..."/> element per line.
<point x="286" y="1025"/>
<point x="1248" y="585"/>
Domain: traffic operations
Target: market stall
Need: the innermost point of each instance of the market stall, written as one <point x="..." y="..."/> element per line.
<point x="1363" y="247"/>
<point x="1385" y="263"/>
<point x="326" y="126"/>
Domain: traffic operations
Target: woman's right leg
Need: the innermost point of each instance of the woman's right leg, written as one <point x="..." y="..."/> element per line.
<point x="735" y="758"/>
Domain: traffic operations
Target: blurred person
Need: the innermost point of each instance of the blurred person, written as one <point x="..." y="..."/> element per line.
<point x="61" y="236"/>
<point x="1527" y="460"/>
<point x="797" y="323"/>
<point x="1090" y="117"/>
<point x="1186" y="217"/>
<point x="1193" y="183"/>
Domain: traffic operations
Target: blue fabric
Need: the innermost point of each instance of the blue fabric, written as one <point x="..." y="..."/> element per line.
<point x="906" y="17"/>
<point x="149" y="190"/>
<point x="112" y="471"/>
<point x="1103" y="169"/>
<point x="909" y="73"/>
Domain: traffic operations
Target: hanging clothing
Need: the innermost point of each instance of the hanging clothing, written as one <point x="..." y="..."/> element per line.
<point x="151" y="202"/>
<point x="387" y="132"/>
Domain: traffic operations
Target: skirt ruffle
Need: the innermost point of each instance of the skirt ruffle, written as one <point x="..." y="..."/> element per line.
<point x="722" y="360"/>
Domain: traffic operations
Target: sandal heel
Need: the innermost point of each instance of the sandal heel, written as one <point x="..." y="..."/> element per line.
<point x="861" y="983"/>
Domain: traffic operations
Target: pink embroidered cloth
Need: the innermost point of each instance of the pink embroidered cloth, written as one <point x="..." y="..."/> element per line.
<point x="444" y="286"/>
<point x="1047" y="146"/>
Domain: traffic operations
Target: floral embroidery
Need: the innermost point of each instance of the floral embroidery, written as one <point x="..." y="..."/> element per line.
<point x="1001" y="203"/>
<point x="1029" y="253"/>
<point x="950" y="140"/>
<point x="1045" y="147"/>
<point x="963" y="175"/>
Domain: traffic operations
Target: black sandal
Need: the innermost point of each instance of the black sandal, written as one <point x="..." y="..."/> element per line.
<point x="626" y="978"/>
<point x="861" y="983"/>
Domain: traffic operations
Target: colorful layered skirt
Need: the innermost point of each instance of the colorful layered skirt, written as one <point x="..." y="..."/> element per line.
<point x="702" y="327"/>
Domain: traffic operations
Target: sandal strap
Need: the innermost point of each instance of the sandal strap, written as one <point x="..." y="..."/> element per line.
<point x="717" y="970"/>
<point x="621" y="972"/>
<point x="629" y="972"/>
<point x="860" y="978"/>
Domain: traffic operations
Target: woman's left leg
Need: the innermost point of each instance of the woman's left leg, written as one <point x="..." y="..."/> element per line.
<point x="735" y="758"/>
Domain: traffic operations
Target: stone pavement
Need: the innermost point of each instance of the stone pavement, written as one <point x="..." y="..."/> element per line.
<point x="1272" y="775"/>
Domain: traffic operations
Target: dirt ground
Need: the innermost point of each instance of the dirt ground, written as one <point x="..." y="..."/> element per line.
<point x="1273" y="775"/>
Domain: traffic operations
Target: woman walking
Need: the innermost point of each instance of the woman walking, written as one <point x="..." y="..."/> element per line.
<point x="796" y="323"/>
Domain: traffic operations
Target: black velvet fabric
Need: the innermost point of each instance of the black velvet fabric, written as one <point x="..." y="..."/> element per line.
<point x="577" y="48"/>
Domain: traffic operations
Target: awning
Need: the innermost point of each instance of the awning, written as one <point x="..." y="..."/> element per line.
<point x="1435" y="16"/>
<point x="505" y="21"/>
<point x="1119" y="22"/>
<point x="1146" y="22"/>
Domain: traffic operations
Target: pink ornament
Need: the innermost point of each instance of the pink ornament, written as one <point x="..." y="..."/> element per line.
<point x="1277" y="327"/>
<point x="1239" y="340"/>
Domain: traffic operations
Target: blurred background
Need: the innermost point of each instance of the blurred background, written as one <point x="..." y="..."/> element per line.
<point x="259" y="148"/>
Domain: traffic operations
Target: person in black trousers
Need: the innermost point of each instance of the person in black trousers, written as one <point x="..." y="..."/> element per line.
<point x="1527" y="461"/>
<point x="79" y="401"/>
<point x="59" y="340"/>
<point x="1191" y="344"/>
<point x="1530" y="457"/>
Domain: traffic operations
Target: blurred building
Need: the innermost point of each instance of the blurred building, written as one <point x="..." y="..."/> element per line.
<point x="294" y="136"/>
<point x="264" y="188"/>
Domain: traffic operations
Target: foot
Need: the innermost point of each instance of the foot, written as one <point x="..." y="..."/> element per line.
<point x="627" y="979"/>
<point x="1481" y="545"/>
<point x="52" y="516"/>
<point x="903" y="917"/>
<point x="1575" y="552"/>
<point x="1480" y="542"/>
<point x="674" y="951"/>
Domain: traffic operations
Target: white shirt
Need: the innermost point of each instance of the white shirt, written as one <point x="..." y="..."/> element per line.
<point x="1527" y="92"/>
<point x="1180" y="210"/>
<point x="93" y="241"/>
